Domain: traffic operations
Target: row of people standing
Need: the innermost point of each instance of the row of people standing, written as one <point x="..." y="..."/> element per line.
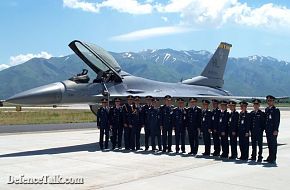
<point x="225" y="127"/>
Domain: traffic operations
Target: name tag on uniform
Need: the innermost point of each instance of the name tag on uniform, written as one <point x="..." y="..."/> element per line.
<point x="270" y="116"/>
<point x="242" y="121"/>
<point x="203" y="119"/>
<point x="212" y="118"/>
<point x="221" y="120"/>
<point x="230" y="119"/>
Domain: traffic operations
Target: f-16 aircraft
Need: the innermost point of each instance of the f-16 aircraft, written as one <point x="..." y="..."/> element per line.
<point x="111" y="81"/>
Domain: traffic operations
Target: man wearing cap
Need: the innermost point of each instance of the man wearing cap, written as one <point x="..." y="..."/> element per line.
<point x="223" y="129"/>
<point x="145" y="121"/>
<point x="243" y="128"/>
<point x="166" y="123"/>
<point x="215" y="133"/>
<point x="103" y="123"/>
<point x="178" y="123"/>
<point x="233" y="129"/>
<point x="272" y="128"/>
<point x="257" y="127"/>
<point x="193" y="121"/>
<point x="206" y="129"/>
<point x="135" y="124"/>
<point x="116" y="123"/>
<point x="127" y="110"/>
<point x="154" y="124"/>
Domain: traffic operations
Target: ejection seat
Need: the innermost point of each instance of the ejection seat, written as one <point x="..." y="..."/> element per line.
<point x="81" y="77"/>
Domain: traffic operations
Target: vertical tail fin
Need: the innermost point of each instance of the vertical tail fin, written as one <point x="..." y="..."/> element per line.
<point x="216" y="66"/>
<point x="213" y="73"/>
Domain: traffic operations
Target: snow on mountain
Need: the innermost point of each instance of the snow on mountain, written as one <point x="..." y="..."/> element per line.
<point x="166" y="57"/>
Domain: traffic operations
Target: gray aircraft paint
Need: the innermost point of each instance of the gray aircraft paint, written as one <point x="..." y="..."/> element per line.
<point x="118" y="83"/>
<point x="213" y="73"/>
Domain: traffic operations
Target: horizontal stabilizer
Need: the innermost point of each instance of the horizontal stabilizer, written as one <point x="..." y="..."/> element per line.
<point x="213" y="73"/>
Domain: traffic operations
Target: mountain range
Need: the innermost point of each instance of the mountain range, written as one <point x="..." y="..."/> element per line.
<point x="248" y="76"/>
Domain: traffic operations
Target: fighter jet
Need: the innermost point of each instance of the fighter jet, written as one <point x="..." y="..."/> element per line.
<point x="111" y="81"/>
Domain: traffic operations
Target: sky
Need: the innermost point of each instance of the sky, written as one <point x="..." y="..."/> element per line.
<point x="44" y="28"/>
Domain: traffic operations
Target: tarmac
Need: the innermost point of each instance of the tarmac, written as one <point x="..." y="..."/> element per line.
<point x="8" y="129"/>
<point x="74" y="154"/>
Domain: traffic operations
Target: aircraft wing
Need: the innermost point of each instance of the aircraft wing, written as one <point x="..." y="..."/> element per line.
<point x="200" y="97"/>
<point x="237" y="97"/>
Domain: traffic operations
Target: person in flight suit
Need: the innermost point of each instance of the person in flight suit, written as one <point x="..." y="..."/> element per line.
<point x="233" y="129"/>
<point x="272" y="128"/>
<point x="206" y="129"/>
<point x="257" y="127"/>
<point x="154" y="124"/>
<point x="223" y="129"/>
<point x="179" y="125"/>
<point x="244" y="128"/>
<point x="127" y="110"/>
<point x="135" y="124"/>
<point x="145" y="122"/>
<point x="166" y="123"/>
<point x="103" y="123"/>
<point x="215" y="133"/>
<point x="116" y="123"/>
<point x="193" y="121"/>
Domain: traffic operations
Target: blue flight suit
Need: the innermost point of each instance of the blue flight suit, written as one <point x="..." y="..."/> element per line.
<point x="127" y="110"/>
<point x="193" y="121"/>
<point x="145" y="112"/>
<point x="136" y="123"/>
<point x="103" y="124"/>
<point x="272" y="124"/>
<point x="166" y="123"/>
<point x="154" y="122"/>
<point x="223" y="131"/>
<point x="243" y="128"/>
<point x="206" y="122"/>
<point x="116" y="121"/>
<point x="257" y="127"/>
<point x="179" y="125"/>
<point x="215" y="133"/>
<point x="233" y="133"/>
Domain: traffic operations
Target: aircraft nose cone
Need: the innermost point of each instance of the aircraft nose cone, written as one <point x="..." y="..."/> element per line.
<point x="43" y="95"/>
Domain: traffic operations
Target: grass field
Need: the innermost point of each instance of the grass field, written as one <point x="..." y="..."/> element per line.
<point x="10" y="117"/>
<point x="56" y="116"/>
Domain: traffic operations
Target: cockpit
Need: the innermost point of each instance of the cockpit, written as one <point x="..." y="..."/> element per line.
<point x="100" y="61"/>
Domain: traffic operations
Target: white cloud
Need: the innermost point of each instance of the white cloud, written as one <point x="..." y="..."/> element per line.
<point x="85" y="6"/>
<point x="3" y="66"/>
<point x="219" y="12"/>
<point x="174" y="6"/>
<point x="164" y="18"/>
<point x="21" y="58"/>
<point x="151" y="32"/>
<point x="124" y="6"/>
<point x="192" y="14"/>
<point x="128" y="6"/>
<point x="18" y="59"/>
<point x="196" y="12"/>
<point x="268" y="15"/>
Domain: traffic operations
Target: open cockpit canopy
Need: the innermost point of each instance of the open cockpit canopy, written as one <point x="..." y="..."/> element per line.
<point x="99" y="60"/>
